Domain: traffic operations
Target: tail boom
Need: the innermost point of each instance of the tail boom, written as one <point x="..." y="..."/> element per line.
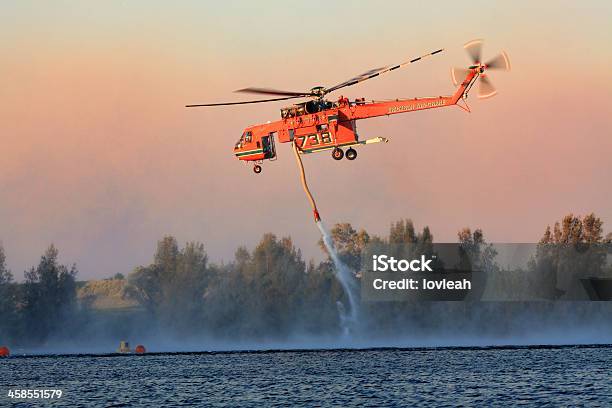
<point x="374" y="109"/>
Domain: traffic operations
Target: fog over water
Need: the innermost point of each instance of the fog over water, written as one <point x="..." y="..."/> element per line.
<point x="446" y="324"/>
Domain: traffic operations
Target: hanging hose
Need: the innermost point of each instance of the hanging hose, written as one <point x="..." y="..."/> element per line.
<point x="344" y="275"/>
<point x="317" y="218"/>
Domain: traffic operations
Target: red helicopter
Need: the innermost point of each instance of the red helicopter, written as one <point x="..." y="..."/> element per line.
<point x="320" y="124"/>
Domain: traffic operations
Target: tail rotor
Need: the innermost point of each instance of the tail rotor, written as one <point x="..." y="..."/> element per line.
<point x="499" y="62"/>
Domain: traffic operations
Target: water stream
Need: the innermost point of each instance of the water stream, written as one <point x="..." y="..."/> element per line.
<point x="350" y="317"/>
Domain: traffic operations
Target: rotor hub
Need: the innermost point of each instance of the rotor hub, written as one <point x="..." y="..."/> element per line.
<point x="318" y="91"/>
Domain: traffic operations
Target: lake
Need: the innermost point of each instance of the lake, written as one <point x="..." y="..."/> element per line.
<point x="484" y="376"/>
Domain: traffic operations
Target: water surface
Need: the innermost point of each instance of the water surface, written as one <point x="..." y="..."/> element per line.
<point x="497" y="376"/>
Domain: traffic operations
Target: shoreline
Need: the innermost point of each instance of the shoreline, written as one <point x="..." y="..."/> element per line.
<point x="321" y="350"/>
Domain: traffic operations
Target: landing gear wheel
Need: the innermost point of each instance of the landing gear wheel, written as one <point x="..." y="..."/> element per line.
<point x="257" y="168"/>
<point x="351" y="154"/>
<point x="337" y="153"/>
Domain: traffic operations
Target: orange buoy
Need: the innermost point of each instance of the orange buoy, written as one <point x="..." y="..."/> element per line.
<point x="140" y="349"/>
<point x="4" y="351"/>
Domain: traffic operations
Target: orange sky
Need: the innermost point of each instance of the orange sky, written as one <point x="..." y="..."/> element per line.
<point x="100" y="157"/>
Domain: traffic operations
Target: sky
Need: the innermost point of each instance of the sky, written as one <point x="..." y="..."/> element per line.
<point x="100" y="157"/>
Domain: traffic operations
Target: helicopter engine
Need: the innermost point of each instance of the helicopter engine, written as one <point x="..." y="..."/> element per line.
<point x="317" y="105"/>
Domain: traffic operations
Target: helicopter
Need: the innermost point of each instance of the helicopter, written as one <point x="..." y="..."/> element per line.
<point x="319" y="124"/>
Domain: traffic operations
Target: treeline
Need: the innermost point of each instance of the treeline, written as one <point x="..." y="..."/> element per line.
<point x="572" y="249"/>
<point x="269" y="292"/>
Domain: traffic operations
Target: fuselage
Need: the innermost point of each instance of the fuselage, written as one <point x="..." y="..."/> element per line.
<point x="320" y="124"/>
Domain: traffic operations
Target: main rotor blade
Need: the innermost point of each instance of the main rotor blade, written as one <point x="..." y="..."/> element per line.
<point x="486" y="88"/>
<point x="356" y="79"/>
<point x="267" y="91"/>
<point x="474" y="49"/>
<point x="242" y="102"/>
<point x="377" y="71"/>
<point x="499" y="62"/>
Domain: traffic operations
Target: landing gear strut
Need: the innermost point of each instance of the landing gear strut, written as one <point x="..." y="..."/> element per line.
<point x="351" y="154"/>
<point x="257" y="169"/>
<point x="337" y="153"/>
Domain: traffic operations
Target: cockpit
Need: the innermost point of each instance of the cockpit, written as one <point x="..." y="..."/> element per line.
<point x="246" y="137"/>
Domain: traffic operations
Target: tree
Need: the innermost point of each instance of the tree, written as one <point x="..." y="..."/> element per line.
<point x="474" y="252"/>
<point x="266" y="293"/>
<point x="278" y="274"/>
<point x="171" y="288"/>
<point x="592" y="229"/>
<point x="184" y="293"/>
<point x="576" y="230"/>
<point x="575" y="248"/>
<point x="8" y="300"/>
<point x="148" y="284"/>
<point x="424" y="244"/>
<point x="402" y="232"/>
<point x="5" y="275"/>
<point x="404" y="243"/>
<point x="49" y="296"/>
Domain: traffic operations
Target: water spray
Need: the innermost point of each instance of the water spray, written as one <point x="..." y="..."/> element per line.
<point x="342" y="272"/>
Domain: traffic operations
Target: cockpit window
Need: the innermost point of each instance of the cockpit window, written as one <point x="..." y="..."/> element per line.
<point x="248" y="137"/>
<point x="240" y="141"/>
